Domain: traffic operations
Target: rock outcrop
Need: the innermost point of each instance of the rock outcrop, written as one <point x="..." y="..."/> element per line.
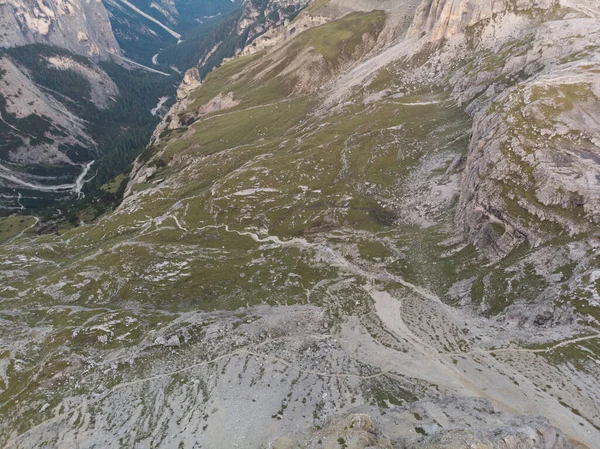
<point x="443" y="19"/>
<point x="191" y="81"/>
<point x="467" y="423"/>
<point x="532" y="169"/>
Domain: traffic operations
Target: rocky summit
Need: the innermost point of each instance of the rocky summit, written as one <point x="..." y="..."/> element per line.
<point x="356" y="224"/>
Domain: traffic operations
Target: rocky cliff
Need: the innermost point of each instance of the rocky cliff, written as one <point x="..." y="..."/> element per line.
<point x="531" y="87"/>
<point x="533" y="163"/>
<point x="79" y="26"/>
<point x="443" y="19"/>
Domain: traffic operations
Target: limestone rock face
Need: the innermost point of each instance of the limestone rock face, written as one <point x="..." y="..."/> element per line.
<point x="528" y="181"/>
<point x="525" y="71"/>
<point x="442" y="19"/>
<point x="191" y="81"/>
<point x="79" y="26"/>
<point x="532" y="167"/>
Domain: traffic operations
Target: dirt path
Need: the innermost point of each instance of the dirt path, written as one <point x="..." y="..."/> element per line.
<point x="20" y="234"/>
<point x="534" y="351"/>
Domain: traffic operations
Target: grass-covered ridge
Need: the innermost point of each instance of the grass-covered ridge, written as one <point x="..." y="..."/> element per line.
<point x="266" y="77"/>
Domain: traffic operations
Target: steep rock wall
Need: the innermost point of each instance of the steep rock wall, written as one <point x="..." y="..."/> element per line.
<point x="79" y="26"/>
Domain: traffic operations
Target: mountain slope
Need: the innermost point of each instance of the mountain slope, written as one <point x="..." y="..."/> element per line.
<point x="81" y="27"/>
<point x="75" y="112"/>
<point x="61" y="111"/>
<point x="319" y="249"/>
<point x="64" y="85"/>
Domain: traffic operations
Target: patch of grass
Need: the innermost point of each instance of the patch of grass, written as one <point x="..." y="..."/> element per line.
<point x="373" y="250"/>
<point x="115" y="184"/>
<point x="561" y="98"/>
<point x="14" y="225"/>
<point x="384" y="79"/>
<point x="339" y="39"/>
<point x="258" y="80"/>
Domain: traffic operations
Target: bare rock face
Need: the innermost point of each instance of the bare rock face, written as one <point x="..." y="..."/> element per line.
<point x="24" y="99"/>
<point x="442" y="19"/>
<point x="532" y="169"/>
<point x="79" y="26"/>
<point x="191" y="81"/>
<point x="266" y="24"/>
<point x="527" y="74"/>
<point x="525" y="182"/>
